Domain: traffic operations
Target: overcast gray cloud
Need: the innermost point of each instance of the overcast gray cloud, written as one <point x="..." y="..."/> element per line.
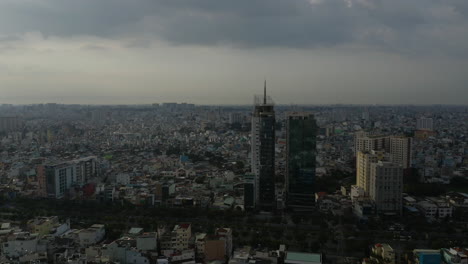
<point x="397" y="24"/>
<point x="236" y="40"/>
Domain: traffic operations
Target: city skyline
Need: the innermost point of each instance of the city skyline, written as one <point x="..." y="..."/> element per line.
<point x="142" y="131"/>
<point x="211" y="52"/>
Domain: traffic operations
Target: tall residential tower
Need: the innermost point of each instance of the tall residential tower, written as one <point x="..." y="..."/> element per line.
<point x="386" y="187"/>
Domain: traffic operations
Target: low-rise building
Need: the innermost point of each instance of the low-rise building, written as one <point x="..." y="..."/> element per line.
<point x="200" y="240"/>
<point x="91" y="235"/>
<point x="454" y="255"/>
<point x="48" y="226"/>
<point x="226" y="235"/>
<point x="383" y="254"/>
<point x="20" y="244"/>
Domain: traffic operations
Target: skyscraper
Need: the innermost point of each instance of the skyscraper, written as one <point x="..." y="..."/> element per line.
<point x="300" y="164"/>
<point x="263" y="152"/>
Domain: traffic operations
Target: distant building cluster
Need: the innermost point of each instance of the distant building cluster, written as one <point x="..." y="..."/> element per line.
<point x="51" y="240"/>
<point x="10" y="123"/>
<point x="284" y="182"/>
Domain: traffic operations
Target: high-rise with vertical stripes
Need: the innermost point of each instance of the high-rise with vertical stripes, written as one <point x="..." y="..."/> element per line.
<point x="263" y="152"/>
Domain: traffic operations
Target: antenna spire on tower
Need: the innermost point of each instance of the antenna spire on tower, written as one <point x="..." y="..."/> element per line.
<point x="264" y="94"/>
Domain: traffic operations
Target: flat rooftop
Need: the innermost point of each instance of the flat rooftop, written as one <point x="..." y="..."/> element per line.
<point x="297" y="257"/>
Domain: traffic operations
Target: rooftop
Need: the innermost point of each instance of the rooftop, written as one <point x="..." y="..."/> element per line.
<point x="135" y="230"/>
<point x="303" y="257"/>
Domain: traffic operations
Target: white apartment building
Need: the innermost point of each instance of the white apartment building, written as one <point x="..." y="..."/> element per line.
<point x="363" y="165"/>
<point x="180" y="236"/>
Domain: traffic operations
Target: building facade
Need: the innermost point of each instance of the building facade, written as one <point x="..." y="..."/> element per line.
<point x="363" y="141"/>
<point x="263" y="152"/>
<point x="10" y="123"/>
<point x="301" y="135"/>
<point x="364" y="160"/>
<point x="250" y="191"/>
<point x="400" y="150"/>
<point x="386" y="187"/>
<point x="425" y="124"/>
<point x="58" y="178"/>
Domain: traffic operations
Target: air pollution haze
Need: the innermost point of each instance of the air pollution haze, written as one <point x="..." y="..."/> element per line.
<point x="219" y="52"/>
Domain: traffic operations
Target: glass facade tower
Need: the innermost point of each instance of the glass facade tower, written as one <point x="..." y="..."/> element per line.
<point x="300" y="165"/>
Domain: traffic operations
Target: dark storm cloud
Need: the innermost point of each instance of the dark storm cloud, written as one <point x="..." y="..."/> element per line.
<point x="259" y="23"/>
<point x="397" y="25"/>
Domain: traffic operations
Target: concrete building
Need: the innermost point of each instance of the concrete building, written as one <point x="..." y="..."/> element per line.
<point x="57" y="178"/>
<point x="48" y="226"/>
<point x="364" y="160"/>
<point x="383" y="253"/>
<point x="386" y="187"/>
<point x="399" y="147"/>
<point x="400" y="150"/>
<point x="364" y="209"/>
<point x="236" y="118"/>
<point x="181" y="235"/>
<point x="20" y="244"/>
<point x="363" y="141"/>
<point x="41" y="181"/>
<point x="356" y="192"/>
<point x="301" y="133"/>
<point x="91" y="235"/>
<point x="424" y="123"/>
<point x="200" y="240"/>
<point x="428" y="209"/>
<point x="85" y="169"/>
<point x="263" y="152"/>
<point x="241" y="256"/>
<point x="215" y="249"/>
<point x="454" y="255"/>
<point x="124" y="251"/>
<point x="226" y="235"/>
<point x="10" y="123"/>
<point x="432" y="210"/>
<point x="147" y="241"/>
<point x="184" y="256"/>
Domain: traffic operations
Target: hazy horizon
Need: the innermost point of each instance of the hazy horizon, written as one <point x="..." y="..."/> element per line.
<point x="219" y="52"/>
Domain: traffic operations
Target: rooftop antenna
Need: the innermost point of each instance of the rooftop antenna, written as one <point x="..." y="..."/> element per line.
<point x="264" y="93"/>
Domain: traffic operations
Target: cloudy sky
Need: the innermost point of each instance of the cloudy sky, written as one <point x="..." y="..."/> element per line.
<point x="220" y="51"/>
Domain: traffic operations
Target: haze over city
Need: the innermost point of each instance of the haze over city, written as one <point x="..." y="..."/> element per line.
<point x="219" y="52"/>
<point x="234" y="131"/>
